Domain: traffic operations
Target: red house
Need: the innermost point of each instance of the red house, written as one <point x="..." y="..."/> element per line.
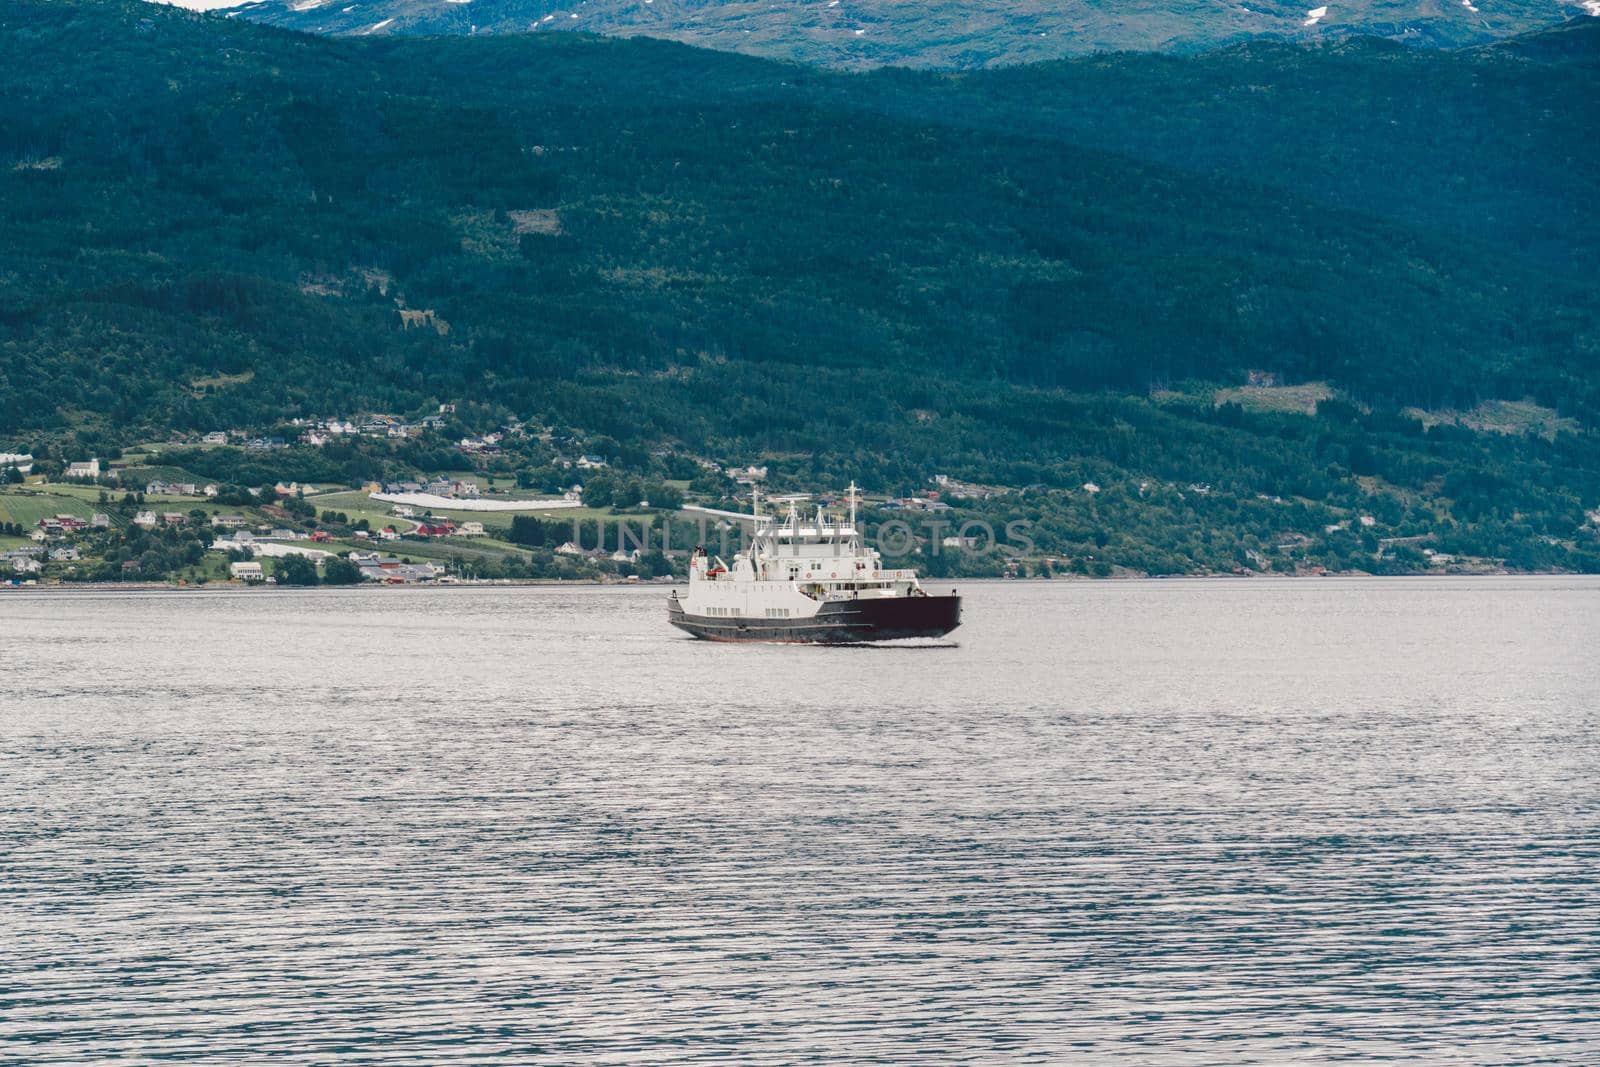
<point x="434" y="529"/>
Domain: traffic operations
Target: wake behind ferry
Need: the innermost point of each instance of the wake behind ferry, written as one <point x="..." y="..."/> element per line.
<point x="806" y="579"/>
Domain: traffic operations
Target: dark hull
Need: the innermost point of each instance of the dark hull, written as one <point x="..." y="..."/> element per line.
<point x="840" y="622"/>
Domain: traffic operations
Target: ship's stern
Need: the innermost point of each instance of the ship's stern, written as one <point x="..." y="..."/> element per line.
<point x="898" y="618"/>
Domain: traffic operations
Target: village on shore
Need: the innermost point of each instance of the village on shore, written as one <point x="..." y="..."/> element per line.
<point x="145" y="518"/>
<point x="470" y="496"/>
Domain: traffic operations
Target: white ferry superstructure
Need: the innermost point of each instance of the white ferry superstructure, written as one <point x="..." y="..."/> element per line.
<point x="806" y="578"/>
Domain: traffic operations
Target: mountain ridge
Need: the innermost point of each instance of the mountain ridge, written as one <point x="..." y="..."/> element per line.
<point x="857" y="34"/>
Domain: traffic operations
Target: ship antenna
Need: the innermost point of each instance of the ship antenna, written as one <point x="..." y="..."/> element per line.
<point x="853" y="491"/>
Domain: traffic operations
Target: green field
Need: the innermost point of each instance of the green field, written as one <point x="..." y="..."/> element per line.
<point x="477" y="548"/>
<point x="136" y="478"/>
<point x="90" y="493"/>
<point x="29" y="506"/>
<point x="356" y="505"/>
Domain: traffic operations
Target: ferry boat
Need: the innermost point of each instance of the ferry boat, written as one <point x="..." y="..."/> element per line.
<point x="806" y="578"/>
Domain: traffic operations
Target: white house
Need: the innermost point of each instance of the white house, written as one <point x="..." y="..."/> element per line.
<point x="247" y="572"/>
<point x="24" y="565"/>
<point x="215" y="437"/>
<point x="23" y="461"/>
<point x="91" y="469"/>
<point x="470" y="529"/>
<point x="145" y="518"/>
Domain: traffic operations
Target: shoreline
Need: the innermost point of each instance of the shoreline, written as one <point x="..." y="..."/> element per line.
<point x="67" y="588"/>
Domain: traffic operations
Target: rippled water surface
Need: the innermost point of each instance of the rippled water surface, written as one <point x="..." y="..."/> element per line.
<point x="1183" y="822"/>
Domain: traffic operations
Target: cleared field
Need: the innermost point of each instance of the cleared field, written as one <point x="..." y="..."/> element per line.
<point x="1514" y="417"/>
<point x="1291" y="399"/>
<point x="199" y="386"/>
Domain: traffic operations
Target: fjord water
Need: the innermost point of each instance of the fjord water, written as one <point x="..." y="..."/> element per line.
<point x="1186" y="822"/>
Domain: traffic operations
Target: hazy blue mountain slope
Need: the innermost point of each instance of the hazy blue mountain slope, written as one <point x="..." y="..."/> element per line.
<point x="1496" y="143"/>
<point x="937" y="33"/>
<point x="571" y="204"/>
<point x="901" y="271"/>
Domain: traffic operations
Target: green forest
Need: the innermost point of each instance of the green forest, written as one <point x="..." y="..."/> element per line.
<point x="1037" y="277"/>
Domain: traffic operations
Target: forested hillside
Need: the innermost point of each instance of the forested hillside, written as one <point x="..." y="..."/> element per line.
<point x="1014" y="276"/>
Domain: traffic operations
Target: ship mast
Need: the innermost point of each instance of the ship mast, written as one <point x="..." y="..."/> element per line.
<point x="853" y="493"/>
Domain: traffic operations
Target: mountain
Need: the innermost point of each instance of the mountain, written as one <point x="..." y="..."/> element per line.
<point x="930" y="33"/>
<point x="1047" y="275"/>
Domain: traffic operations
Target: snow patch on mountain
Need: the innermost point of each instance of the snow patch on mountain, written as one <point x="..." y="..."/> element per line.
<point x="209" y="5"/>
